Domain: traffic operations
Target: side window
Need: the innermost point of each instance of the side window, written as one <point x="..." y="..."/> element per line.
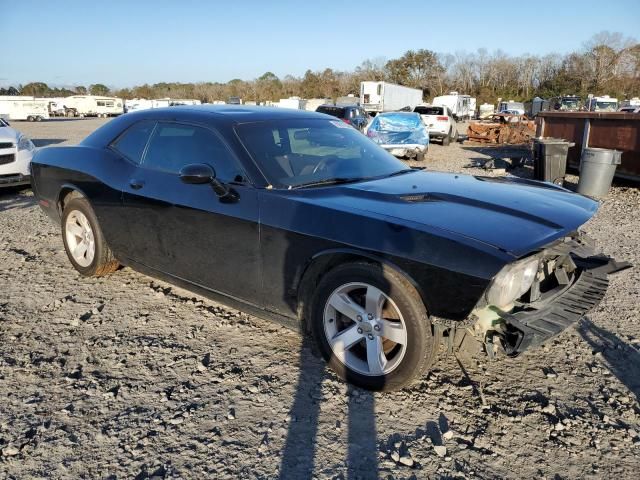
<point x="132" y="142"/>
<point x="175" y="145"/>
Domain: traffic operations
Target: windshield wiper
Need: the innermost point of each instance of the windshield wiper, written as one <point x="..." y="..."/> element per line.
<point x="329" y="181"/>
<point x="401" y="172"/>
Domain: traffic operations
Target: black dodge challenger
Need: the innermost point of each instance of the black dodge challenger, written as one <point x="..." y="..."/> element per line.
<point x="298" y="217"/>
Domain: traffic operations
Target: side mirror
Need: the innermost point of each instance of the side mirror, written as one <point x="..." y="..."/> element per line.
<point x="197" y="174"/>
<point x="201" y="173"/>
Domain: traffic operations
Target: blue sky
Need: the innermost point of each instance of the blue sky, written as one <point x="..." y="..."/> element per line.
<point x="125" y="43"/>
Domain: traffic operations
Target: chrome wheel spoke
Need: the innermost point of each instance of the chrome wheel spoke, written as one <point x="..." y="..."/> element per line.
<point x="376" y="359"/>
<point x="343" y="304"/>
<point x="75" y="229"/>
<point x="374" y="301"/>
<point x="345" y="339"/>
<point x="84" y="222"/>
<point x="393" y="331"/>
<point x="80" y="250"/>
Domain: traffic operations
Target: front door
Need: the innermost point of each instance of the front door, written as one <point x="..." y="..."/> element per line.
<point x="186" y="230"/>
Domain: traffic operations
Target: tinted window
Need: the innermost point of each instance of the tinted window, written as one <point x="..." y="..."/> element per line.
<point x="175" y="145"/>
<point x="314" y="150"/>
<point x="429" y="110"/>
<point x="132" y="142"/>
<point x="333" y="111"/>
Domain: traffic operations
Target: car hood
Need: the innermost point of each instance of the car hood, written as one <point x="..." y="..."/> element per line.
<point x="8" y="134"/>
<point x="512" y="214"/>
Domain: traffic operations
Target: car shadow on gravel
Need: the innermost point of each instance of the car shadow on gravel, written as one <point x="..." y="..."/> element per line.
<point x="11" y="199"/>
<point x="298" y="456"/>
<point x="44" y="142"/>
<point x="514" y="159"/>
<point x="622" y="359"/>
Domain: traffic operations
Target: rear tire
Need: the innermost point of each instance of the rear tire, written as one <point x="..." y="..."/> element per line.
<point x="374" y="303"/>
<point x="446" y="140"/>
<point x="83" y="240"/>
<point x="419" y="156"/>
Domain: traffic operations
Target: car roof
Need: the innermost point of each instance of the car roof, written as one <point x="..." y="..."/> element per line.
<point x="247" y="113"/>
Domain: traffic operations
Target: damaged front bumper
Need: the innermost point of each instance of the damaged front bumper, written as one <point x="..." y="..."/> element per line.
<point x="405" y="150"/>
<point x="578" y="278"/>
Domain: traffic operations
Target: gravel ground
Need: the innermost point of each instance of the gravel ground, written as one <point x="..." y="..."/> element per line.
<point x="128" y="377"/>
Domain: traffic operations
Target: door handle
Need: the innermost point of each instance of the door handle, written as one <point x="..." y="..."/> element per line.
<point x="136" y="184"/>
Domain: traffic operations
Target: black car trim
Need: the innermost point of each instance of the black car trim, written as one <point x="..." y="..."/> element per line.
<point x="229" y="301"/>
<point x="531" y="328"/>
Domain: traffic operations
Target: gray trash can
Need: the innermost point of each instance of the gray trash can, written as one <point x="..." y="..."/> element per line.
<point x="597" y="168"/>
<point x="550" y="159"/>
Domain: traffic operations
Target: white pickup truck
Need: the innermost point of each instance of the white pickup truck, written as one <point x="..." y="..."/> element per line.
<point x="440" y="122"/>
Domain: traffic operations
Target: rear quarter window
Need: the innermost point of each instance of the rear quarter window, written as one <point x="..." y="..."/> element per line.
<point x="132" y="142"/>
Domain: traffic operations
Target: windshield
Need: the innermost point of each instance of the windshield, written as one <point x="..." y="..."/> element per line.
<point x="569" y="104"/>
<point x="295" y="152"/>
<point x="396" y="122"/>
<point x="610" y="106"/>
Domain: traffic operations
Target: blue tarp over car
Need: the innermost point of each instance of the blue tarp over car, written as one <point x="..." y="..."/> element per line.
<point x="398" y="128"/>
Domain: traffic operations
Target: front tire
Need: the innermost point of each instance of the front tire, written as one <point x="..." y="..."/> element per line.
<point x="83" y="240"/>
<point x="372" y="326"/>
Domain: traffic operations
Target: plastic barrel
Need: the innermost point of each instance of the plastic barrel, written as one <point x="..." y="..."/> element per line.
<point x="597" y="168"/>
<point x="550" y="159"/>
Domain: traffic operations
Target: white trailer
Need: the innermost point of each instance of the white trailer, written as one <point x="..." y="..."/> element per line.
<point x="291" y="102"/>
<point x="633" y="102"/>
<point x="511" y="107"/>
<point x="95" y="106"/>
<point x="379" y="97"/>
<point x="458" y="104"/>
<point x="486" y="110"/>
<point x="173" y="102"/>
<point x="23" y="108"/>
<point x="472" y="107"/>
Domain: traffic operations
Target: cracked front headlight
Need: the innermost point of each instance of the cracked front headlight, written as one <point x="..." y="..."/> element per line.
<point x="24" y="143"/>
<point x="512" y="282"/>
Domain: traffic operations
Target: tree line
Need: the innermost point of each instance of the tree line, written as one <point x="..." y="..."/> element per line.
<point x="608" y="63"/>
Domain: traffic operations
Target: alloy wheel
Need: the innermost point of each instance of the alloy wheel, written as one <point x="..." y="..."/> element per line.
<point x="80" y="239"/>
<point x="365" y="329"/>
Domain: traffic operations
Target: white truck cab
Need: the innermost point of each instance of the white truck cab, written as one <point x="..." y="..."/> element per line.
<point x="602" y="104"/>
